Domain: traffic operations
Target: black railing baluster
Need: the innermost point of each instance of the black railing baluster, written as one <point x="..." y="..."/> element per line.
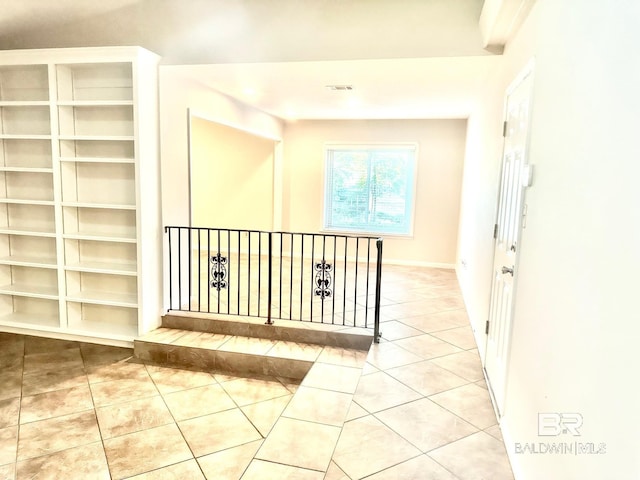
<point x="335" y="271"/>
<point x="269" y="281"/>
<point x="168" y="232"/>
<point x="180" y="268"/>
<point x="249" y="274"/>
<point x="366" y="302"/>
<point x="291" y="278"/>
<point x="344" y="289"/>
<point x="301" y="271"/>
<point x="323" y="274"/>
<point x="376" y="324"/>
<point x="355" y="288"/>
<point x="209" y="280"/>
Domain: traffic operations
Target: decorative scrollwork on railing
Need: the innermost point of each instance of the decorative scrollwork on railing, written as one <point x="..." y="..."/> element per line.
<point x="218" y="272"/>
<point x="323" y="280"/>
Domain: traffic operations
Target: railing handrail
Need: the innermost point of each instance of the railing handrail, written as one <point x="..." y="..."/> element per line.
<point x="323" y="274"/>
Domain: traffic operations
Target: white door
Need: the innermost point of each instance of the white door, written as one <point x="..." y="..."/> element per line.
<point x="516" y="174"/>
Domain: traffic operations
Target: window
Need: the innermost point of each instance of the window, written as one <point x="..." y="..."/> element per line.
<point x="370" y="189"/>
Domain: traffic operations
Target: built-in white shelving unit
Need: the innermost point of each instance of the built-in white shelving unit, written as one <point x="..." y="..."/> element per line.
<point x="79" y="193"/>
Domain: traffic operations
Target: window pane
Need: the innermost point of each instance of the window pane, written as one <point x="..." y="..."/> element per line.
<point x="369" y="190"/>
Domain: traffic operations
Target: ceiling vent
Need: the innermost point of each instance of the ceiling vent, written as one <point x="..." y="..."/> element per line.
<point x="339" y="88"/>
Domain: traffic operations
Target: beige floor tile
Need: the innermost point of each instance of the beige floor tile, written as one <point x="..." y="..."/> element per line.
<point x="320" y="406"/>
<point x="367" y="446"/>
<point x="461" y="337"/>
<point x="8" y="472"/>
<point x="54" y="361"/>
<point x="123" y="370"/>
<point x="93" y="354"/>
<point x="188" y="470"/>
<point x="202" y="340"/>
<point x="470" y="402"/>
<point x="355" y="411"/>
<point x="9" y="412"/>
<point x="379" y="391"/>
<point x="78" y="463"/>
<point x="198" y="401"/>
<point x="263" y="415"/>
<point x="245" y="391"/>
<point x="291" y="384"/>
<point x="56" y="434"/>
<point x="49" y="381"/>
<point x="426" y="377"/>
<point x="10" y="382"/>
<point x="34" y="345"/>
<point x="477" y="457"/>
<point x="147" y="450"/>
<point x="425" y="424"/>
<point x="395" y="330"/>
<point x="368" y="369"/>
<point x="256" y="346"/>
<point x="218" y="431"/>
<point x="333" y="377"/>
<point x="55" y="404"/>
<point x="389" y="355"/>
<point x="261" y="470"/>
<point x="419" y="468"/>
<point x="334" y="472"/>
<point x="343" y="356"/>
<point x="495" y="432"/>
<point x="134" y="416"/>
<point x="300" y="444"/>
<point x="229" y="464"/>
<point x="435" y="322"/>
<point x="464" y="364"/>
<point x="426" y="346"/>
<point x="120" y="391"/>
<point x="295" y="351"/>
<point x="8" y="444"/>
<point x="169" y="380"/>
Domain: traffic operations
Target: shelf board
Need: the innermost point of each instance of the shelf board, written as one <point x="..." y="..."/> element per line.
<point x="98" y="237"/>
<point x="9" y="136"/>
<point x="103" y="267"/>
<point x="104" y="298"/>
<point x="112" y="138"/>
<point x="106" y="206"/>
<point x="22" y="201"/>
<point x="24" y="103"/>
<point x="29" y="291"/>
<point x="28" y="261"/>
<point x="97" y="160"/>
<point x="95" y="103"/>
<point x="27" y="169"/>
<point x="29" y="319"/>
<point x="32" y="232"/>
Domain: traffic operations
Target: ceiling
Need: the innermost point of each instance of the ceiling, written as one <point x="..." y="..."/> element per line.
<point x="405" y="58"/>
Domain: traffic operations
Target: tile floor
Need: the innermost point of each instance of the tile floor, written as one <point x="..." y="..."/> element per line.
<point x="414" y="407"/>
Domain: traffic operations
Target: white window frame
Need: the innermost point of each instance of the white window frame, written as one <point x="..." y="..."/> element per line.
<point x="331" y="146"/>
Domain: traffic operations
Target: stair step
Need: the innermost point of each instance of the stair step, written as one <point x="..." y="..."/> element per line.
<point x="288" y="330"/>
<point x="225" y="353"/>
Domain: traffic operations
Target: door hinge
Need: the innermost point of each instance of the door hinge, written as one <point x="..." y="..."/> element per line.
<point x="504" y="128"/>
<point x="486" y="328"/>
<point x="495" y="231"/>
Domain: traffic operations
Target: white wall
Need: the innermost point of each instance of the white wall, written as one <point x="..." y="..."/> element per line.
<point x="231" y="177"/>
<point x="177" y="96"/>
<point x="441" y="146"/>
<point x="576" y="325"/>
